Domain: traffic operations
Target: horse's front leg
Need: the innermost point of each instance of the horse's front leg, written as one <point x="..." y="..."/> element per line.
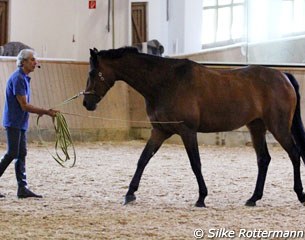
<point x="191" y="145"/>
<point x="152" y="146"/>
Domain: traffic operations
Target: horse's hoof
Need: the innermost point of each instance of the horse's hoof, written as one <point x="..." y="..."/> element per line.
<point x="250" y="204"/>
<point x="129" y="198"/>
<point x="200" y="204"/>
<point x="302" y="198"/>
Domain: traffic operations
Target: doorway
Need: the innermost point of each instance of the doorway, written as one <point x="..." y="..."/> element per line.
<point x="3" y="21"/>
<point x="139" y="22"/>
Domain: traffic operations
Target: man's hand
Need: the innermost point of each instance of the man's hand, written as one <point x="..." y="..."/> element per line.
<point x="52" y="112"/>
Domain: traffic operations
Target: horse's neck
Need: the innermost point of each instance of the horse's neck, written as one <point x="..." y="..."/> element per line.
<point x="140" y="73"/>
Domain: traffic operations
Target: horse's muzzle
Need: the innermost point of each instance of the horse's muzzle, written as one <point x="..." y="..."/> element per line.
<point x="89" y="107"/>
<point x="90" y="101"/>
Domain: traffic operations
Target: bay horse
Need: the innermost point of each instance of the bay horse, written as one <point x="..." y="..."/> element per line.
<point x="195" y="98"/>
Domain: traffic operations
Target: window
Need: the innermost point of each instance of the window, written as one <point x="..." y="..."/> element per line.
<point x="292" y="19"/>
<point x="230" y="21"/>
<point x="223" y="22"/>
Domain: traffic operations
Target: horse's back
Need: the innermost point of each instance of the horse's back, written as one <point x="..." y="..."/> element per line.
<point x="256" y="80"/>
<point x="228" y="99"/>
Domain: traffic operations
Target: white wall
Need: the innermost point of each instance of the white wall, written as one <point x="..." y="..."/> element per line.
<point x="176" y="26"/>
<point x="184" y="31"/>
<point x="49" y="26"/>
<point x="192" y="26"/>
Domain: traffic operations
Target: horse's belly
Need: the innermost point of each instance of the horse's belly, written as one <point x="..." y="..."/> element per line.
<point x="225" y="122"/>
<point x="227" y="114"/>
<point x="217" y="128"/>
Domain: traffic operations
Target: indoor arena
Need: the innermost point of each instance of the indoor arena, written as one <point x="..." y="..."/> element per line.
<point x="155" y="119"/>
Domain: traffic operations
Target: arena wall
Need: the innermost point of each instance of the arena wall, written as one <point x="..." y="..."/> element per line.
<point x="120" y="116"/>
<point x="58" y="80"/>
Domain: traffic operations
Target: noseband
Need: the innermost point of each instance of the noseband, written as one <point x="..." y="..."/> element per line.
<point x="87" y="93"/>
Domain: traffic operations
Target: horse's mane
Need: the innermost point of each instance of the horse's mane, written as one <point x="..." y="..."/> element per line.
<point x="117" y="53"/>
<point x="120" y="52"/>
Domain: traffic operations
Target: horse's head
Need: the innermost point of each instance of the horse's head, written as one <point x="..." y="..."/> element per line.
<point x="100" y="80"/>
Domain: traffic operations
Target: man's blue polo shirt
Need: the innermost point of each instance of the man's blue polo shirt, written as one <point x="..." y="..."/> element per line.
<point x="13" y="115"/>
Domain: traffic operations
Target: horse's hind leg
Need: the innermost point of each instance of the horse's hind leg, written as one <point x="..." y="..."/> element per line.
<point x="191" y="145"/>
<point x="294" y="156"/>
<point x="284" y="138"/>
<point x="156" y="139"/>
<point x="258" y="134"/>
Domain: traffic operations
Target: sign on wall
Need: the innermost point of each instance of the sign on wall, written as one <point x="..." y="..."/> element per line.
<point x="92" y="4"/>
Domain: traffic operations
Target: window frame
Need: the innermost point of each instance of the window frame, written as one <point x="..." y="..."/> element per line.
<point x="244" y="38"/>
<point x="218" y="6"/>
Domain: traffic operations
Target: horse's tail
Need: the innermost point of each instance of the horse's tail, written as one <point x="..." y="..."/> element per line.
<point x="297" y="128"/>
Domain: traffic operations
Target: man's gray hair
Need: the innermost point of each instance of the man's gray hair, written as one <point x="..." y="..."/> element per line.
<point x="24" y="54"/>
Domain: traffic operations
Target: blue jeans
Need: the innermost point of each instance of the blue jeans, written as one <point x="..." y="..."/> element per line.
<point x="16" y="149"/>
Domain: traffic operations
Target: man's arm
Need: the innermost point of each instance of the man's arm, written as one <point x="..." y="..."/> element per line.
<point x="32" y="109"/>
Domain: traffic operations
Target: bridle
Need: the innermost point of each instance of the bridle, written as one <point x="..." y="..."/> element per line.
<point x="101" y="79"/>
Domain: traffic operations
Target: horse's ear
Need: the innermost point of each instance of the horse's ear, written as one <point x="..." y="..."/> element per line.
<point x="93" y="53"/>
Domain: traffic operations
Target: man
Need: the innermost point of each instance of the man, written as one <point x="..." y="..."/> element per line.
<point x="16" y="117"/>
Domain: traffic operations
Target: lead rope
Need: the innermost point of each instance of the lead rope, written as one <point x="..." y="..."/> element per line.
<point x="63" y="139"/>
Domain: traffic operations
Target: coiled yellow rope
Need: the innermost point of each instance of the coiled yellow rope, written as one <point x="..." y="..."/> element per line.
<point x="63" y="141"/>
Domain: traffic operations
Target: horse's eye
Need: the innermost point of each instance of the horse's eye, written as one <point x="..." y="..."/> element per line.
<point x="92" y="73"/>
